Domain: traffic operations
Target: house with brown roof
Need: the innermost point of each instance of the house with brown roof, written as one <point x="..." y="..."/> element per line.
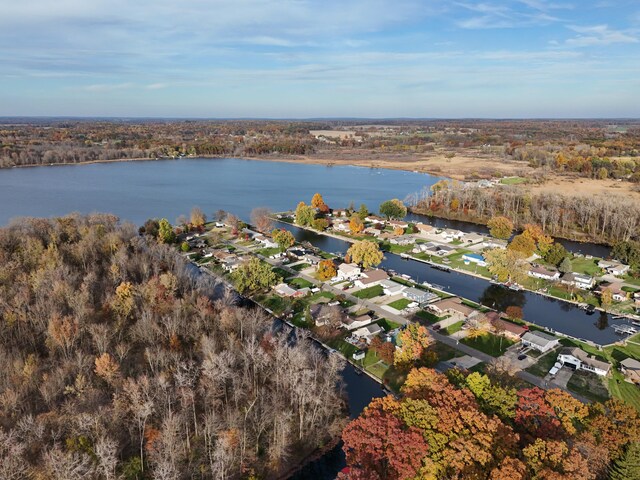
<point x="539" y="271"/>
<point x="631" y="369"/>
<point x="452" y="306"/>
<point x="508" y="329"/>
<point x="424" y="229"/>
<point x="371" y="277"/>
<point x="580" y="360"/>
<point x="615" y="288"/>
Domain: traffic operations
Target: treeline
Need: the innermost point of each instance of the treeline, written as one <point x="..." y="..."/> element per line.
<point x="607" y="219"/>
<point x="118" y="365"/>
<point x="474" y="426"/>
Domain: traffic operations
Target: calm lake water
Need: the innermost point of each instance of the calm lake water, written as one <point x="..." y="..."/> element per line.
<point x="136" y="191"/>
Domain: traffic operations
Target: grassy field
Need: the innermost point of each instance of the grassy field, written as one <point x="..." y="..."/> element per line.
<point x="451" y="329"/>
<point x="513" y="181"/>
<point x="343" y="347"/>
<point x="488" y="343"/>
<point x="589" y="385"/>
<point x="368" y="293"/>
<point x="585" y="266"/>
<point x="267" y="252"/>
<point x="388" y="325"/>
<point x="281" y="272"/>
<point x="300" y="283"/>
<point x="428" y="317"/>
<point x="400" y="304"/>
<point x="300" y="267"/>
<point x="544" y="364"/>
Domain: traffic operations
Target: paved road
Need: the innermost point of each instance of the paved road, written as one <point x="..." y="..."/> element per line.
<point x="451" y="342"/>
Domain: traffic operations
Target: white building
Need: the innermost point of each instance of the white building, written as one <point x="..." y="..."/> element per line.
<point x="370" y="278"/>
<point x="544" y="273"/>
<point x="475" y="258"/>
<point x="613" y="267"/>
<point x="580" y="360"/>
<point x="392" y="288"/>
<point x="266" y="241"/>
<point x="348" y="271"/>
<point x="578" y="280"/>
<point x="418" y="295"/>
<point x="367" y="333"/>
<point x="539" y="341"/>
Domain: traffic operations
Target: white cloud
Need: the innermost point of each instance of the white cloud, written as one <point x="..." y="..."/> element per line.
<point x="107" y="87"/>
<point x="599" y="35"/>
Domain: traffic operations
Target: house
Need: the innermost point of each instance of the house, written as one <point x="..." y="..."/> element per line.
<point x="351" y="323"/>
<point x="539" y="341"/>
<point x="341" y="226"/>
<point x="338" y="212"/>
<point x="231" y="263"/>
<point x="494" y="243"/>
<point x="418" y="295"/>
<point x="348" y="271"/>
<point x="374" y="219"/>
<point x="312" y="259"/>
<point x="367" y="333"/>
<point x="392" y="288"/>
<point x="432" y="248"/>
<point x="266" y="241"/>
<point x="472" y="238"/>
<point x="424" y="229"/>
<point x="297" y="253"/>
<point x="631" y="369"/>
<point x="398" y="224"/>
<point x="284" y="290"/>
<point x="540" y="272"/>
<point x="452" y="306"/>
<point x="450" y="234"/>
<point x="617" y="294"/>
<point x="613" y="267"/>
<point x="578" y="359"/>
<point x="475" y="258"/>
<point x="324" y="314"/>
<point x="508" y="329"/>
<point x="371" y="277"/>
<point x="373" y="231"/>
<point x="578" y="280"/>
<point x="403" y="240"/>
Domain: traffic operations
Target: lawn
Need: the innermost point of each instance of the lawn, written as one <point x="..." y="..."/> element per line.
<point x="281" y="272"/>
<point x="544" y="364"/>
<point x="393" y="248"/>
<point x="588" y="385"/>
<point x="300" y="283"/>
<point x="626" y="391"/>
<point x="400" y="304"/>
<point x="453" y="328"/>
<point x="378" y="369"/>
<point x="300" y="267"/>
<point x="267" y="252"/>
<point x="443" y="351"/>
<point x="394" y="378"/>
<point x="318" y="295"/>
<point x="388" y="325"/>
<point x="343" y="347"/>
<point x="427" y="316"/>
<point x="371" y="292"/>
<point x="585" y="266"/>
<point x="488" y="343"/>
<point x="513" y="181"/>
<point x="275" y="303"/>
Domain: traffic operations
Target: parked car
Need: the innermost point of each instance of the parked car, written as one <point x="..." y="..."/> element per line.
<point x="437" y="327"/>
<point x="522" y="356"/>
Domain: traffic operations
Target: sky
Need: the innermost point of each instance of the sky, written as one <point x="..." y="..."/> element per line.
<point x="312" y="59"/>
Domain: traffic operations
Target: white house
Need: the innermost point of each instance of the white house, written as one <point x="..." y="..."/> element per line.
<point x="580" y="360"/>
<point x="351" y="323"/>
<point x="348" y="271"/>
<point x="284" y="290"/>
<point x="424" y="229"/>
<point x="613" y="267"/>
<point x="578" y="280"/>
<point x="341" y="226"/>
<point x="367" y="333"/>
<point x="544" y="273"/>
<point x="472" y="237"/>
<point x="494" y="243"/>
<point x="475" y="258"/>
<point x="403" y="240"/>
<point x="539" y="341"/>
<point x="370" y="278"/>
<point x="398" y="224"/>
<point x="450" y="234"/>
<point x="392" y="288"/>
<point x="631" y="369"/>
<point x="266" y="241"/>
<point x="418" y="295"/>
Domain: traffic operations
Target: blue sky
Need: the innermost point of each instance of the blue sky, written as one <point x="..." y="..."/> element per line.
<point x="330" y="58"/>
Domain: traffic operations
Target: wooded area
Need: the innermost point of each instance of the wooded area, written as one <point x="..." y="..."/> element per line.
<point x="117" y="364"/>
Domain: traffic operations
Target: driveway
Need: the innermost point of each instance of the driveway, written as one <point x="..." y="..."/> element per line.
<point x="512" y="354"/>
<point x="561" y="378"/>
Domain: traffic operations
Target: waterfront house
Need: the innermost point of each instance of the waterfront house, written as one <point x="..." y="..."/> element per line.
<point x="348" y="271"/>
<point x="351" y="323"/>
<point x="544" y="273"/>
<point x="359" y="355"/>
<point x="338" y="212"/>
<point x="510" y="330"/>
<point x="322" y="314"/>
<point x="403" y="240"/>
<point x="374" y="219"/>
<point x="433" y="248"/>
<point x="491" y="242"/>
<point x="613" y="267"/>
<point x="266" y="241"/>
<point x="539" y="341"/>
<point x="424" y="229"/>
<point x="631" y="369"/>
<point x="452" y="306"/>
<point x="398" y="224"/>
<point x="418" y="295"/>
<point x="341" y="226"/>
<point x="284" y="290"/>
<point x="392" y="288"/>
<point x="578" y="359"/>
<point x="475" y="258"/>
<point x="617" y="294"/>
<point x="371" y="277"/>
<point x="450" y="234"/>
<point x="368" y="333"/>
<point x="312" y="259"/>
<point x="578" y="280"/>
<point x="373" y="231"/>
<point x="472" y="237"/>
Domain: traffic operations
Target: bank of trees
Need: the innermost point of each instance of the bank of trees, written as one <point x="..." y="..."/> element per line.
<point x="117" y="364"/>
<point x="463" y="426"/>
<point x="603" y="219"/>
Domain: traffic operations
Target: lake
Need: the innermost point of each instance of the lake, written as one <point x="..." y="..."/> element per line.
<point x="136" y="191"/>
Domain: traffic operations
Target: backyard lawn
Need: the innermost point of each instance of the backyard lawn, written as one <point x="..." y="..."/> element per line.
<point x="267" y="252"/>
<point x="585" y="266"/>
<point x="453" y="328"/>
<point x="428" y="316"/>
<point x="301" y="283"/>
<point x="388" y="325"/>
<point x="544" y="364"/>
<point x="488" y="343"/>
<point x="371" y="292"/>
<point x="400" y="304"/>
<point x="589" y="385"/>
<point x="300" y="267"/>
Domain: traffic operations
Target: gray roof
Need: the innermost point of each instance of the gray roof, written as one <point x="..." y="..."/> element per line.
<point x="584" y="357"/>
<point x="630" y="363"/>
<point x="539" y="338"/>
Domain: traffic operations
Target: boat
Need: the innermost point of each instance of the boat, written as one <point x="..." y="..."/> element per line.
<point x="405" y="256"/>
<point x="426" y="284"/>
<point x="622" y="329"/>
<point x="513" y="286"/>
<point x="636" y="323"/>
<point x="441" y="267"/>
<point x="493" y="281"/>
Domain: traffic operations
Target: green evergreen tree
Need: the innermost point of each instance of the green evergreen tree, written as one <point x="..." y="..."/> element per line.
<point x="565" y="265"/>
<point x="627" y="467"/>
<point x="165" y="232"/>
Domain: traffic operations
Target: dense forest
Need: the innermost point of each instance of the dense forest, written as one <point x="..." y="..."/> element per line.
<point x="608" y="219"/>
<point x="476" y="426"/>
<point x="117" y="363"/>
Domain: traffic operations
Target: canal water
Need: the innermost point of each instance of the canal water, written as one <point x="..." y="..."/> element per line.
<point x="543" y="311"/>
